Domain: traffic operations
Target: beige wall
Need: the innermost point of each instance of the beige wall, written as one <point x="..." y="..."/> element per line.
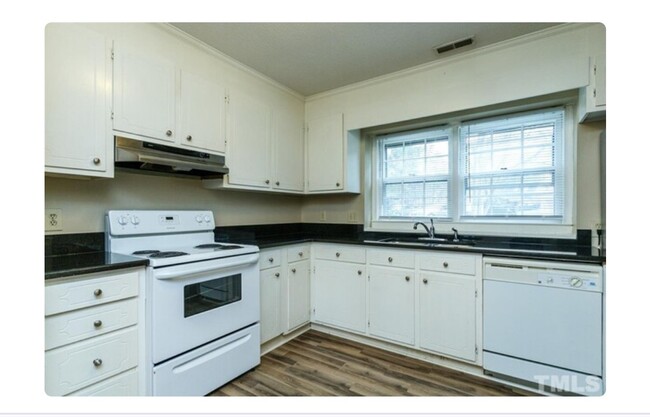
<point x="84" y="202"/>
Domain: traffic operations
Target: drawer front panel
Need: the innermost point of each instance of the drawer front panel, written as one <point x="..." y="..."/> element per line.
<point x="122" y="385"/>
<point x="72" y="295"/>
<point x="73" y="326"/>
<point x="341" y="253"/>
<point x="70" y="368"/>
<point x="449" y="262"/>
<point x="297" y="253"/>
<point x="397" y="258"/>
<point x="270" y="258"/>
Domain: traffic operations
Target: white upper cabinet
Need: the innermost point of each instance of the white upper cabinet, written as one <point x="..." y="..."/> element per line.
<point x="77" y="101"/>
<point x="592" y="100"/>
<point x="159" y="100"/>
<point x="144" y="89"/>
<point x="202" y="113"/>
<point x="248" y="141"/>
<point x="333" y="158"/>
<point x="288" y="151"/>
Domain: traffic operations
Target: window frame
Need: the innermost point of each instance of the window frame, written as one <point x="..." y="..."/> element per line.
<point x="496" y="226"/>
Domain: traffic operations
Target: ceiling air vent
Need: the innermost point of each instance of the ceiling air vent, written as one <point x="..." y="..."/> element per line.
<point x="454" y="45"/>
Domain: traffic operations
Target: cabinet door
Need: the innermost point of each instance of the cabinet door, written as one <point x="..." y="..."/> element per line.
<point x="248" y="141"/>
<point x="448" y="314"/>
<point x="145" y="94"/>
<point x="340" y="295"/>
<point x="325" y="154"/>
<point x="289" y="151"/>
<point x="299" y="305"/>
<point x="77" y="100"/>
<point x="270" y="307"/>
<point x="391" y="306"/>
<point x="202" y="113"/>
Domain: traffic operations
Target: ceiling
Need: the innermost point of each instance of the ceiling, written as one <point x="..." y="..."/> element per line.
<point x="310" y="58"/>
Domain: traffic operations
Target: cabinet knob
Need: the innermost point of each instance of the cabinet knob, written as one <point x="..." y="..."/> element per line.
<point x="189" y="137"/>
<point x="445" y="264"/>
<point x="168" y="133"/>
<point x="97" y="161"/>
<point x="300" y="254"/>
<point x="338" y="184"/>
<point x="98" y="292"/>
<point x="267" y="182"/>
<point x="270" y="260"/>
<point x="407" y="278"/>
<point x="97" y="323"/>
<point x="426" y="281"/>
<point x="359" y="272"/>
<point x="338" y="254"/>
<point x="97" y="362"/>
<point x="277" y="183"/>
<point x="277" y="275"/>
<point x="293" y="270"/>
<point x="390" y="259"/>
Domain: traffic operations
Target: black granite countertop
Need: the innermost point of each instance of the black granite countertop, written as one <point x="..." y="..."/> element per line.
<point x="82" y="253"/>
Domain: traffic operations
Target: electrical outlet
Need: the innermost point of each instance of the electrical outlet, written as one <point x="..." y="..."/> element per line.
<point x="598" y="226"/>
<point x="53" y="220"/>
<point x="323" y="216"/>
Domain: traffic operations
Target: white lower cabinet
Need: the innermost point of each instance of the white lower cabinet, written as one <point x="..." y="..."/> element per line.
<point x="93" y="339"/>
<point x="391" y="304"/>
<point x="270" y="303"/>
<point x="298" y="294"/>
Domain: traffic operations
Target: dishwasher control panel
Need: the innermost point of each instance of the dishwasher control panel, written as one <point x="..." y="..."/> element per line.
<point x="567" y="281"/>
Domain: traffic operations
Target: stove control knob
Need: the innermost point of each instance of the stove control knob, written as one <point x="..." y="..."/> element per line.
<point x="135" y="220"/>
<point x="207" y="219"/>
<point x="576" y="282"/>
<point x="123" y="220"/>
<point x="199" y="219"/>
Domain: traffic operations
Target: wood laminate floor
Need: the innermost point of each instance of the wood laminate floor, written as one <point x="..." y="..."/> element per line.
<point x="318" y="364"/>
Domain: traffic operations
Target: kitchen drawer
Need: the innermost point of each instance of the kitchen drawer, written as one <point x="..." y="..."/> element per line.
<point x="122" y="385"/>
<point x="391" y="257"/>
<point x="99" y="289"/>
<point x="270" y="258"/>
<point x="343" y="253"/>
<point x="72" y="367"/>
<point x="76" y="325"/>
<point x="297" y="253"/>
<point x="449" y="262"/>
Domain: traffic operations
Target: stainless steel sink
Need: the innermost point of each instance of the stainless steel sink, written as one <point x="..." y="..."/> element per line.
<point x="424" y="242"/>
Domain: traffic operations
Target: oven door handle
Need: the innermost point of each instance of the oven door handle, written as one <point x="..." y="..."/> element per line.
<point x="183" y="271"/>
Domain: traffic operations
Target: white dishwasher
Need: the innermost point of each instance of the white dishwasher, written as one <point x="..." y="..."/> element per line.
<point x="543" y="324"/>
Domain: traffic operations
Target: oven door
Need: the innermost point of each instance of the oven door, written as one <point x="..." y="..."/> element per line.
<point x="196" y="303"/>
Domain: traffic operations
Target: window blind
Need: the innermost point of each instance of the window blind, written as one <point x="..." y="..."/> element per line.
<point x="414" y="174"/>
<point x="513" y="166"/>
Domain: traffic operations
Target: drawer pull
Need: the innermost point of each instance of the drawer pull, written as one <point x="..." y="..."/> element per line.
<point x="300" y="254"/>
<point x="445" y="264"/>
<point x="97" y="362"/>
<point x="97" y="323"/>
<point x="407" y="278"/>
<point x="277" y="275"/>
<point x="293" y="270"/>
<point x="425" y="281"/>
<point x="98" y="292"/>
<point x="270" y="260"/>
<point x="338" y="254"/>
<point x="359" y="272"/>
<point x="390" y="259"/>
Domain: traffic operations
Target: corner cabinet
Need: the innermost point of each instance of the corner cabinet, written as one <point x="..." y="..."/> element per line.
<point x="157" y="100"/>
<point x="592" y="99"/>
<point x="94" y="334"/>
<point x="333" y="156"/>
<point x="78" y="139"/>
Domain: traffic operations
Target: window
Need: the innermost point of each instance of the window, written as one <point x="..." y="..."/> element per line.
<point x="415" y="174"/>
<point x="512" y="166"/>
<point x="506" y="169"/>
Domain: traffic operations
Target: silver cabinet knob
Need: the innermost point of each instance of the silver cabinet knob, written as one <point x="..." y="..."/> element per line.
<point x="390" y="259"/>
<point x="338" y="184"/>
<point x="277" y="275"/>
<point x="97" y="161"/>
<point x="270" y="260"/>
<point x="168" y="133"/>
<point x="189" y="137"/>
<point x="98" y="292"/>
<point x="97" y="362"/>
<point x="300" y="254"/>
<point x="277" y="183"/>
<point x="407" y="278"/>
<point x="267" y="182"/>
<point x="293" y="270"/>
<point x="97" y="323"/>
<point x="359" y="272"/>
<point x="445" y="264"/>
<point x="425" y="281"/>
<point x="338" y="254"/>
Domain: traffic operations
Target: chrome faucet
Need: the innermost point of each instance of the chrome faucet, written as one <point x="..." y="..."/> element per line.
<point x="456" y="239"/>
<point x="431" y="231"/>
